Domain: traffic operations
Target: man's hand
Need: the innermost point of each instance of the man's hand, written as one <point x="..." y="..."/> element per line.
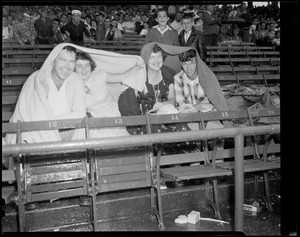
<point x="157" y="106"/>
<point x="187" y="108"/>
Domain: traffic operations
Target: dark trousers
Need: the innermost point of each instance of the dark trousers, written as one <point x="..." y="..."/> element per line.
<point x="41" y="41"/>
<point x="211" y="40"/>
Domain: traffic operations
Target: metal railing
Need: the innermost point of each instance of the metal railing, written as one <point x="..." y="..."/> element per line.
<point x="237" y="133"/>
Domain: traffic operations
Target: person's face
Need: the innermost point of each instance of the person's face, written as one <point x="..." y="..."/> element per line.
<point x="9" y="20"/>
<point x="272" y="26"/>
<point x="55" y="25"/>
<point x="107" y="23"/>
<point x="101" y="18"/>
<point x="200" y="14"/>
<point x="146" y="26"/>
<point x="187" y="24"/>
<point x="94" y="24"/>
<point x="126" y="18"/>
<point x="64" y="64"/>
<point x="155" y="61"/>
<point x="190" y="68"/>
<point x="144" y="18"/>
<point x="88" y="20"/>
<point x="76" y="17"/>
<point x="63" y="18"/>
<point x="20" y="16"/>
<point x="178" y="17"/>
<point x="263" y="26"/>
<point x="44" y="14"/>
<point x="83" y="69"/>
<point x="162" y="18"/>
<point x="114" y="23"/>
<point x="211" y="8"/>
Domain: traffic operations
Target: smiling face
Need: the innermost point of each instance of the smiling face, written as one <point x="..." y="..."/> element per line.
<point x="187" y="24"/>
<point x="155" y="61"/>
<point x="76" y="17"/>
<point x="63" y="65"/>
<point x="162" y="18"/>
<point x="83" y="69"/>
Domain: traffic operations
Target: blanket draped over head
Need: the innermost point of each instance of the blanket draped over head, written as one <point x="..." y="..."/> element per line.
<point x="33" y="105"/>
<point x="207" y="78"/>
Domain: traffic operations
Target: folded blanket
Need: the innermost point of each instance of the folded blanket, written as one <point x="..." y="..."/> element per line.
<point x="32" y="104"/>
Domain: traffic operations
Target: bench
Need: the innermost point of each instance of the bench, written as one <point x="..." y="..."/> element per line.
<point x="207" y="166"/>
<point x="116" y="167"/>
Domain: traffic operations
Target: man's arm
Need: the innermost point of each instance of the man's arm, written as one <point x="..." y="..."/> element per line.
<point x="179" y="98"/>
<point x="86" y="31"/>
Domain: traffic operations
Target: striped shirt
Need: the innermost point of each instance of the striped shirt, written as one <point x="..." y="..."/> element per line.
<point x="187" y="91"/>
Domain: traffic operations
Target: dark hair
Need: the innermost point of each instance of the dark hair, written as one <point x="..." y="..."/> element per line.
<point x="85" y="56"/>
<point x="56" y="19"/>
<point x="156" y="49"/>
<point x="161" y="10"/>
<point x="187" y="55"/>
<point x="70" y="49"/>
<point x="187" y="16"/>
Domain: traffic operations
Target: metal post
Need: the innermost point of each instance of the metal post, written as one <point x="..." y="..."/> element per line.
<point x="239" y="182"/>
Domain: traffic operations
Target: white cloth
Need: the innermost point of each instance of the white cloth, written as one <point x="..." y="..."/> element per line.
<point x="76" y="12"/>
<point x="186" y="36"/>
<point x="32" y="104"/>
<point x="162" y="31"/>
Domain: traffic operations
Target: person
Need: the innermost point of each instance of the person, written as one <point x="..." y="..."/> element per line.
<point x="190" y="36"/>
<point x="43" y="28"/>
<point x="276" y="40"/>
<point x="23" y="30"/>
<point x="63" y="20"/>
<point x="223" y="35"/>
<point x="114" y="30"/>
<point x="128" y="25"/>
<point x="57" y="36"/>
<point x="7" y="32"/>
<point x="76" y="28"/>
<point x="145" y="29"/>
<point x="99" y="99"/>
<point x="164" y="34"/>
<point x="197" y="88"/>
<point x="176" y="24"/>
<point x="53" y="92"/>
<point x="210" y="26"/>
<point x="93" y="29"/>
<point x="158" y="94"/>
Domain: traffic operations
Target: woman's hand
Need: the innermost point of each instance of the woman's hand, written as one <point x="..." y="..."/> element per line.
<point x="140" y="63"/>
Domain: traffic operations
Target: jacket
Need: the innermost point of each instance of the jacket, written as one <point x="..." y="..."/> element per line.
<point x="76" y="32"/>
<point x="210" y="24"/>
<point x="195" y="41"/>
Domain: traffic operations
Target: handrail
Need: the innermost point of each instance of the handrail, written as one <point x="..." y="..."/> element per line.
<point x="148" y="139"/>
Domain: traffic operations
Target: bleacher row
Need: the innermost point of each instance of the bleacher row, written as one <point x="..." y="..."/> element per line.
<point x="62" y="174"/>
<point x="231" y="64"/>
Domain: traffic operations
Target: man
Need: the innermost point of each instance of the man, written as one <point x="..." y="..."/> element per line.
<point x="176" y="24"/>
<point x="43" y="28"/>
<point x="210" y="26"/>
<point x="53" y="92"/>
<point x="197" y="88"/>
<point x="7" y="32"/>
<point x="162" y="33"/>
<point x="63" y="20"/>
<point x="76" y="28"/>
<point x="128" y="25"/>
<point x="190" y="37"/>
<point x="57" y="37"/>
<point x="23" y="30"/>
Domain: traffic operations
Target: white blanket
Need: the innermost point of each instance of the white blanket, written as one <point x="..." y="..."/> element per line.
<point x="32" y="104"/>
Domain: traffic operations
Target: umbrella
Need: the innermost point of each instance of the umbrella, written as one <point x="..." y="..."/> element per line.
<point x="240" y="22"/>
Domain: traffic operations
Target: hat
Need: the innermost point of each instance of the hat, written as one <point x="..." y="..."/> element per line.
<point x="76" y="12"/>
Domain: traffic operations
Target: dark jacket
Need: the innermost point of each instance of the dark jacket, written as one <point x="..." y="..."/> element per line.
<point x="76" y="32"/>
<point x="195" y="41"/>
<point x="210" y="24"/>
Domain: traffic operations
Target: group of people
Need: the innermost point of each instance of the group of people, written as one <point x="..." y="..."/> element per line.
<point x="75" y="82"/>
<point x="74" y="24"/>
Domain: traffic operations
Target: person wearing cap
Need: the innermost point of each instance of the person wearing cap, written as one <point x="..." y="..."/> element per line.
<point x="23" y="30"/>
<point x="76" y="28"/>
<point x="43" y="28"/>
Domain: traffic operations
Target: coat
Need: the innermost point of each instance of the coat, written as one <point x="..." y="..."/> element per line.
<point x="195" y="41"/>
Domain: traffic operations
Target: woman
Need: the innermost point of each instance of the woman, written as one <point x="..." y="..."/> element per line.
<point x="158" y="95"/>
<point x="100" y="101"/>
